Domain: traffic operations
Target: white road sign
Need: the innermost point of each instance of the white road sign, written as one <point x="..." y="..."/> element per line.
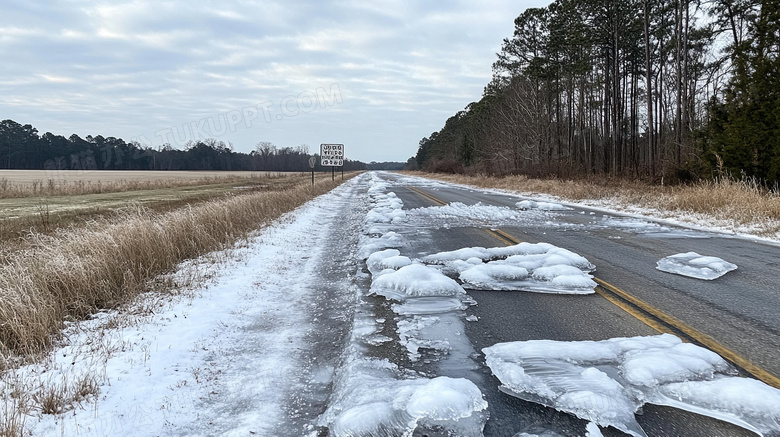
<point x="332" y="155"/>
<point x="328" y="162"/>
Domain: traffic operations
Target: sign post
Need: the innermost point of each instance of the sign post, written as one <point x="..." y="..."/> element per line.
<point x="332" y="155"/>
<point x="312" y="163"/>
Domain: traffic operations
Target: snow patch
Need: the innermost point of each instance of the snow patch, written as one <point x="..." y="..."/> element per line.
<point x="543" y="206"/>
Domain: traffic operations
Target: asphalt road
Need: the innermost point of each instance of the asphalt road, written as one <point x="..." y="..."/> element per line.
<point x="737" y="313"/>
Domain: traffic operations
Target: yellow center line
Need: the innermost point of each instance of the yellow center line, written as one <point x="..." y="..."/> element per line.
<point x="665" y="323"/>
<point x="426" y="195"/>
<point x="650" y="315"/>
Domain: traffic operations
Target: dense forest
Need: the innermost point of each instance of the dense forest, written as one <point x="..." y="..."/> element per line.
<point x="21" y="147"/>
<point x="651" y="89"/>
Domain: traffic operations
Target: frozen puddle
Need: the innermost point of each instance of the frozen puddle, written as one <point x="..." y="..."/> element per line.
<point x="695" y="266"/>
<point x="606" y="382"/>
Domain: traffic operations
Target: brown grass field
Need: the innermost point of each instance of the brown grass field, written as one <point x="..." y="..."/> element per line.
<point x="115" y="243"/>
<point x="26" y="177"/>
<point x="27" y="183"/>
<point x="30" y="205"/>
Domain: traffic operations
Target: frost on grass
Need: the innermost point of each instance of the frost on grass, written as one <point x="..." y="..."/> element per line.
<point x="539" y="267"/>
<point x="695" y="266"/>
<point x="607" y="381"/>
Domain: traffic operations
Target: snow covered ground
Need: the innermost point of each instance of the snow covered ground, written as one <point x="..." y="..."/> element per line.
<point x="289" y="336"/>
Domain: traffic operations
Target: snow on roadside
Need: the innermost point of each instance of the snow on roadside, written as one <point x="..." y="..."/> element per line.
<point x="544" y="206"/>
<point x="695" y="266"/>
<point x="652" y="216"/>
<point x="607" y="381"/>
<point x="217" y="360"/>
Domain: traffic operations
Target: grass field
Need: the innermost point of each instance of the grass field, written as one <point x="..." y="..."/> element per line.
<point x="26" y="177"/>
<point x="26" y="183"/>
<point x="29" y="204"/>
<point x="67" y="256"/>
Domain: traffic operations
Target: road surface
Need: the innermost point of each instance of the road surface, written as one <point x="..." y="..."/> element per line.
<point x="735" y="315"/>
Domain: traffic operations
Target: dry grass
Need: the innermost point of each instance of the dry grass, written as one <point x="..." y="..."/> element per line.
<point x="22" y="216"/>
<point x="72" y="272"/>
<point x="78" y="271"/>
<point x="37" y="183"/>
<point x="742" y="206"/>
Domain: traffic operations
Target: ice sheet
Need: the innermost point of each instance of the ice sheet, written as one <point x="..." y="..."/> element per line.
<point x="607" y="381"/>
<point x="695" y="266"/>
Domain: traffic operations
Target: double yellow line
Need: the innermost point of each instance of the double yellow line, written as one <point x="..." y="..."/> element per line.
<point x="650" y="315"/>
<point x="427" y="196"/>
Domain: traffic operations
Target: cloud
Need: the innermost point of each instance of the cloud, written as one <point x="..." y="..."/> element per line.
<point x="130" y="69"/>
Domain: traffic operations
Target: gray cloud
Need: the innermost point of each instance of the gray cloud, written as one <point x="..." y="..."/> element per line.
<point x="136" y="69"/>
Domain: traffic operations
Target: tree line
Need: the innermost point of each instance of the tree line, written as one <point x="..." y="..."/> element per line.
<point x="675" y="89"/>
<point x="21" y="147"/>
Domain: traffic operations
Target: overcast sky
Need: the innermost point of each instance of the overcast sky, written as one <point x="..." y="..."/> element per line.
<point x="376" y="76"/>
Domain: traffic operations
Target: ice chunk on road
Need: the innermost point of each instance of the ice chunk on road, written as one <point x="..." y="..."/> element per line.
<point x="415" y="280"/>
<point x="695" y="266"/>
<point x="539" y="267"/>
<point x="388" y="259"/>
<point x="388" y="209"/>
<point x="742" y="401"/>
<point x="486" y="275"/>
<point x="607" y="381"/>
<point x="544" y="250"/>
<point x="370" y="399"/>
<point x="476" y="212"/>
<point x="544" y="206"/>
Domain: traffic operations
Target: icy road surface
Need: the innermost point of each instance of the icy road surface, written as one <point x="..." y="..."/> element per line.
<point x="343" y="318"/>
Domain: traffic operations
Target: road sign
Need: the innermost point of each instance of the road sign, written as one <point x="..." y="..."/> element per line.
<point x="332" y="155"/>
<point x="312" y="161"/>
<point x="330" y="162"/>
